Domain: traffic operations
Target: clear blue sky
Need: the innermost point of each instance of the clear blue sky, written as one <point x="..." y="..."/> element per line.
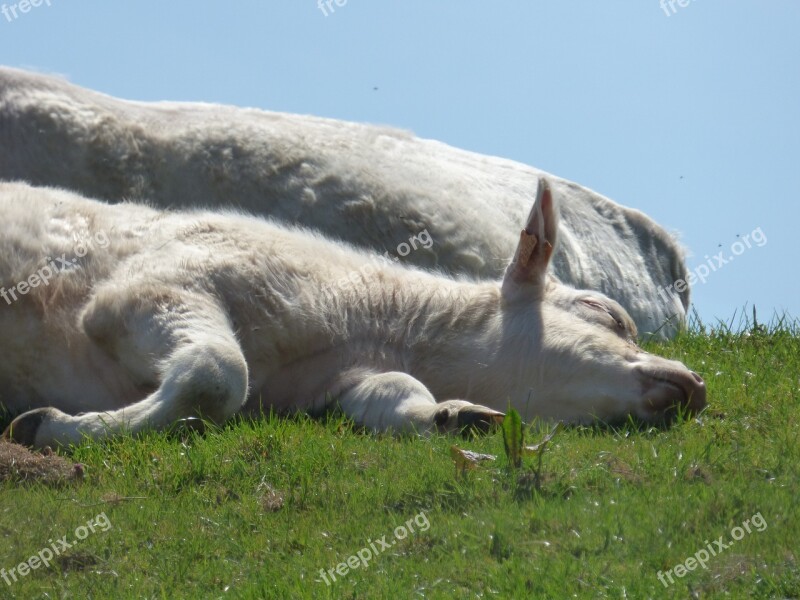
<point x="693" y="118"/>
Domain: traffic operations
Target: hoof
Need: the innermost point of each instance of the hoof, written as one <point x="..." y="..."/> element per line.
<point x="465" y="418"/>
<point x="183" y="427"/>
<point x="478" y="419"/>
<point x="24" y="428"/>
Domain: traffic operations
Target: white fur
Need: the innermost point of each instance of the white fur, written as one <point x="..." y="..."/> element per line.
<point x="372" y="186"/>
<point x="186" y="313"/>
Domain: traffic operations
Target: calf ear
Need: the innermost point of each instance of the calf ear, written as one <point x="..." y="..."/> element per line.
<point x="527" y="272"/>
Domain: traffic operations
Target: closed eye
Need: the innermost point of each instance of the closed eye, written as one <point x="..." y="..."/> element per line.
<point x="599" y="306"/>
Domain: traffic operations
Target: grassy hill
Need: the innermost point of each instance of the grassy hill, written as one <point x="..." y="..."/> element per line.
<point x="272" y="508"/>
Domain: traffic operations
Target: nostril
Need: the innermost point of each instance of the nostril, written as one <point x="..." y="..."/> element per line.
<point x="697" y="399"/>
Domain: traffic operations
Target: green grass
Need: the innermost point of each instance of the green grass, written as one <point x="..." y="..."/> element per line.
<point x="257" y="509"/>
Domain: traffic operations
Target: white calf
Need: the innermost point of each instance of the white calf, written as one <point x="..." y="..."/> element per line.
<point x="125" y="317"/>
<point x="374" y="187"/>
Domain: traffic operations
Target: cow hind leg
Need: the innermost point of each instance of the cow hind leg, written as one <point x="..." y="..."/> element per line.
<point x="185" y="344"/>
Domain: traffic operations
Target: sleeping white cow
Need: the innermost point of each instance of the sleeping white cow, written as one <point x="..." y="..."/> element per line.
<point x="371" y="186"/>
<point x="123" y="317"/>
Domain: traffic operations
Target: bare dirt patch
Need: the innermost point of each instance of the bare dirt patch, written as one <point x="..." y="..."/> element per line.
<point x="19" y="464"/>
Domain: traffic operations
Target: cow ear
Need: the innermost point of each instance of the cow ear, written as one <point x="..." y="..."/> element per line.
<point x="527" y="272"/>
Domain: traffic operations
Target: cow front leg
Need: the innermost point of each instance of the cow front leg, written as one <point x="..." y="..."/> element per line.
<point x="399" y="403"/>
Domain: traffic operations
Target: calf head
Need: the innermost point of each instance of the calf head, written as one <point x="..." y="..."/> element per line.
<point x="579" y="360"/>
